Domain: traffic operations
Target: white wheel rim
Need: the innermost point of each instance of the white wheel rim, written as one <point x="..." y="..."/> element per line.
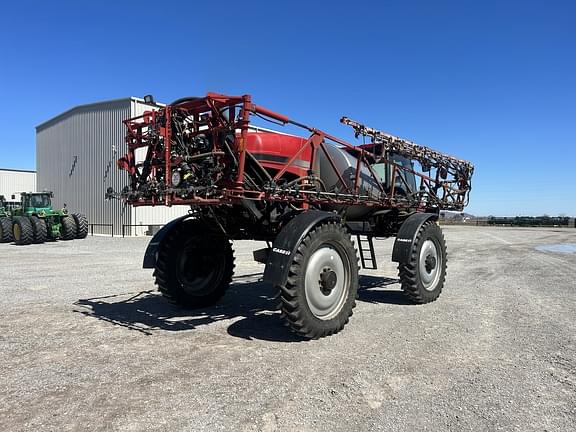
<point x="325" y="302"/>
<point x="430" y="265"/>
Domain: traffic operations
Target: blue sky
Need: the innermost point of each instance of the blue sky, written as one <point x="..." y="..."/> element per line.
<point x="493" y="82"/>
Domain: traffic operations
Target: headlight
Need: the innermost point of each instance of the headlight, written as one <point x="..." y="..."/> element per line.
<point x="176" y="178"/>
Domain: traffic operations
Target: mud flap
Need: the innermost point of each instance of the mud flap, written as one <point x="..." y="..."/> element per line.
<point x="287" y="242"/>
<point x="406" y="235"/>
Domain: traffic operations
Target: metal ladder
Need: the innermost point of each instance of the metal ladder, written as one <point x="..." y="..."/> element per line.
<point x="365" y="245"/>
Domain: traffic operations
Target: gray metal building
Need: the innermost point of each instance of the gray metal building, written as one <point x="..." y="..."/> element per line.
<point x="76" y="155"/>
<point x="14" y="181"/>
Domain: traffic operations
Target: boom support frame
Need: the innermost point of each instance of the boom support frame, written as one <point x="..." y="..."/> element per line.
<point x="155" y="142"/>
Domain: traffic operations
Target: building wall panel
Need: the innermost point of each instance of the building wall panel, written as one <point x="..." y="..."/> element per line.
<point x="76" y="155"/>
<point x="12" y="182"/>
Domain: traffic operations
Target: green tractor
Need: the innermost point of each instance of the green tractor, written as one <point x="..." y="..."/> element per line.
<point x="5" y="221"/>
<point x="35" y="221"/>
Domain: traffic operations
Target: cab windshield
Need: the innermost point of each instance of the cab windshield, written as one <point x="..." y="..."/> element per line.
<point x="39" y="201"/>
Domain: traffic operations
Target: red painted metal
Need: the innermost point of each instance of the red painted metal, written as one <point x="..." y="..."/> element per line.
<point x="286" y="157"/>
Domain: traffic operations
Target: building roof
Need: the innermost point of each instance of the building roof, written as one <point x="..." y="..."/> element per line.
<point x="18" y="170"/>
<point x="88" y="106"/>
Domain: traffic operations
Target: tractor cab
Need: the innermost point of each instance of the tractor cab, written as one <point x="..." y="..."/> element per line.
<point x="37" y="202"/>
<point x="8" y="207"/>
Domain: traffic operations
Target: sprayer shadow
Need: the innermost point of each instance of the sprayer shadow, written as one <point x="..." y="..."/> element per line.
<point x="249" y="299"/>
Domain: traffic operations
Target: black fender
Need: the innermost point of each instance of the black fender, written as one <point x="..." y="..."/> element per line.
<point x="151" y="253"/>
<point x="287" y="242"/>
<point x="406" y="235"/>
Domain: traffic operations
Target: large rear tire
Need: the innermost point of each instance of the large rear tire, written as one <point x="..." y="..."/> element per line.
<point x="6" y="235"/>
<point x="81" y="225"/>
<point x="22" y="230"/>
<point x="68" y="228"/>
<point x="320" y="293"/>
<point x="422" y="277"/>
<point x="39" y="229"/>
<point x="195" y="265"/>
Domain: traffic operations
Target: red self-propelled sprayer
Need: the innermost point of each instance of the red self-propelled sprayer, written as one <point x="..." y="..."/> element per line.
<point x="304" y="195"/>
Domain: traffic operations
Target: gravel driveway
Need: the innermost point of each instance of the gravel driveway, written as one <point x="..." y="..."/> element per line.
<point x="87" y="344"/>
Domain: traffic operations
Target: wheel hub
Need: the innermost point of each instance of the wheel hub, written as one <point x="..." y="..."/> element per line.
<point x="430" y="263"/>
<point x="198" y="270"/>
<point x="328" y="281"/>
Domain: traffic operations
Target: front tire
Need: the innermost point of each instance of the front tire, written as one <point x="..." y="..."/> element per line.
<point x="6" y="235"/>
<point x="22" y="230"/>
<point x="81" y="225"/>
<point x="195" y="265"/>
<point x="422" y="277"/>
<point x="39" y="229"/>
<point x="320" y="293"/>
<point x="67" y="228"/>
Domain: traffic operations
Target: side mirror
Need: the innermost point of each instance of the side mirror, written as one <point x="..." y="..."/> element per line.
<point x="13" y="196"/>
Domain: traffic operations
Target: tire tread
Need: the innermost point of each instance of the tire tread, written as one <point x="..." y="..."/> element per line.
<point x="408" y="272"/>
<point x="40" y="230"/>
<point x="6" y="235"/>
<point x="26" y="231"/>
<point x="294" y="309"/>
<point x="81" y="225"/>
<point x="68" y="228"/>
<point x="174" y="293"/>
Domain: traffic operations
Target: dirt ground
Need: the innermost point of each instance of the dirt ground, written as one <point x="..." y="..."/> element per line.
<point x="86" y="343"/>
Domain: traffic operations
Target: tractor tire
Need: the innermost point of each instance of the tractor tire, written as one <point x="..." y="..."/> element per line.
<point x="194" y="266"/>
<point x="68" y="228"/>
<point x="422" y="278"/>
<point x="39" y="229"/>
<point x="6" y="235"/>
<point x="22" y="230"/>
<point x="320" y="293"/>
<point x="81" y="225"/>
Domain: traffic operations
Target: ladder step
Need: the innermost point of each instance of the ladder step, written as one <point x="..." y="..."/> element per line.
<point x="368" y="261"/>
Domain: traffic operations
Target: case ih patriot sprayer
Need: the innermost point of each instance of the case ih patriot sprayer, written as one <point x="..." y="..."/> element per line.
<point x="304" y="195"/>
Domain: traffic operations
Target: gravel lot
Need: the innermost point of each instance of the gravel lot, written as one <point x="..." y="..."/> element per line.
<point x="87" y="344"/>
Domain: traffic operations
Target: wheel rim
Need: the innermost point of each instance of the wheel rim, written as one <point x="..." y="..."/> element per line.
<point x="199" y="270"/>
<point x="17" y="232"/>
<point x="430" y="265"/>
<point x="327" y="282"/>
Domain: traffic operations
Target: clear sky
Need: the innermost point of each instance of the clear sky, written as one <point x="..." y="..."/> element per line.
<point x="493" y="82"/>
